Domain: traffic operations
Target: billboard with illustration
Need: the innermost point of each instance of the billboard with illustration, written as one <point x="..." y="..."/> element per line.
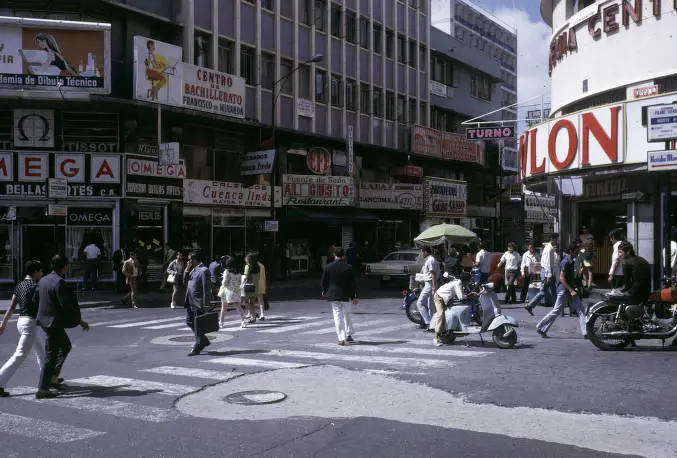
<point x="59" y="56"/>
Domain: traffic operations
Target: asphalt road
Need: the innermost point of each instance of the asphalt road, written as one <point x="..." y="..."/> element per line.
<point x="134" y="392"/>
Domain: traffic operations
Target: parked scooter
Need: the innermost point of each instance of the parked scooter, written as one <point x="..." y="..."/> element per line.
<point x="410" y="304"/>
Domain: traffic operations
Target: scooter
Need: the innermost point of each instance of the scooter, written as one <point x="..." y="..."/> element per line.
<point x="409" y="304"/>
<point x="478" y="314"/>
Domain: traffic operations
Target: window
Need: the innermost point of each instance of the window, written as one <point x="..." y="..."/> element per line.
<point x="226" y="56"/>
<point x="304" y="82"/>
<point x="320" y="86"/>
<point x="412" y="111"/>
<point x="336" y="28"/>
<point x="401" y="109"/>
<point x="378" y="39"/>
<point x="364" y="32"/>
<point x="320" y="12"/>
<point x="442" y="70"/>
<point x="351" y="94"/>
<point x="378" y="102"/>
<point x="267" y="70"/>
<point x="423" y="111"/>
<point x="422" y="5"/>
<point x="268" y="4"/>
<point x="351" y="27"/>
<point x="365" y="99"/>
<point x="390" y="106"/>
<point x="287" y="9"/>
<point x="390" y="44"/>
<point x="423" y="59"/>
<point x="202" y="51"/>
<point x="480" y="87"/>
<point x="336" y="91"/>
<point x="412" y="53"/>
<point x="401" y="49"/>
<point x="286" y="66"/>
<point x="248" y="65"/>
<point x="304" y="7"/>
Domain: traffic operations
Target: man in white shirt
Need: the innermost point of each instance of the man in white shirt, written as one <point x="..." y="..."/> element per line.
<point x="453" y="290"/>
<point x="549" y="275"/>
<point x="673" y="255"/>
<point x="483" y="262"/>
<point x="430" y="272"/>
<point x="616" y="270"/>
<point x="90" y="277"/>
<point x="528" y="266"/>
<point x="511" y="260"/>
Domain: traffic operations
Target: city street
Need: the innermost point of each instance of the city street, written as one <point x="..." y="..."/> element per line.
<point x="134" y="392"/>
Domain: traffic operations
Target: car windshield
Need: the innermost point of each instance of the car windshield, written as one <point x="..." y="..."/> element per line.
<point x="391" y="257"/>
<point x="408" y="256"/>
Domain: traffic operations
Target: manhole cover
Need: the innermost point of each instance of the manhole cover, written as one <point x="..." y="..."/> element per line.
<point x="255" y="397"/>
<point x="188" y="338"/>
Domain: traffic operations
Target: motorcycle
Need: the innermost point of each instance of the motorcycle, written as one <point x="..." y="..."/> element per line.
<point x="410" y="304"/>
<point x="613" y="323"/>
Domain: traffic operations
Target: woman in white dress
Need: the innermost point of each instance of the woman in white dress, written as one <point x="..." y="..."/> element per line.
<point x="230" y="291"/>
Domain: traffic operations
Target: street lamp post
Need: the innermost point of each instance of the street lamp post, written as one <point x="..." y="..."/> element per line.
<point x="273" y="179"/>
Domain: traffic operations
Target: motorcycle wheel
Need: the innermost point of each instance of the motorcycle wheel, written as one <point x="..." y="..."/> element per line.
<point x="412" y="312"/>
<point x="501" y="339"/>
<point x="593" y="326"/>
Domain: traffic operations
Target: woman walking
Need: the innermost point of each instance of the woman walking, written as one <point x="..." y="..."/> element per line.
<point x="250" y="287"/>
<point x="230" y="290"/>
<point x="262" y="290"/>
<point x="175" y="272"/>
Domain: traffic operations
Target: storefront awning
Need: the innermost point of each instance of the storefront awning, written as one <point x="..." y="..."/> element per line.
<point x="339" y="215"/>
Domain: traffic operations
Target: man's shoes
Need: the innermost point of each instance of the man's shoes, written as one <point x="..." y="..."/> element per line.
<point x="206" y="343"/>
<point x="45" y="394"/>
<point x="422" y="325"/>
<point x="57" y="379"/>
<point x="3" y="393"/>
<point x="529" y="310"/>
<point x="437" y="342"/>
<point x="194" y="352"/>
<point x="341" y="342"/>
<point x="59" y="386"/>
<point x="349" y="339"/>
<point x="542" y="334"/>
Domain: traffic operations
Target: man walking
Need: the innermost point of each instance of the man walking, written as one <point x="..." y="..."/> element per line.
<point x="528" y="267"/>
<point x="198" y="297"/>
<point x="548" y="275"/>
<point x="568" y="289"/>
<point x="483" y="262"/>
<point x="58" y="310"/>
<point x="430" y="272"/>
<point x="616" y="271"/>
<point x="22" y="302"/>
<point x="132" y="271"/>
<point x="511" y="260"/>
<point x="338" y="286"/>
<point x="91" y="277"/>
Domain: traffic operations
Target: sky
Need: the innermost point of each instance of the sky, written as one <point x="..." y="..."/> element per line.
<point x="533" y="37"/>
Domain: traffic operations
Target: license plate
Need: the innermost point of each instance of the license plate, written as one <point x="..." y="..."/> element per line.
<point x="386" y="277"/>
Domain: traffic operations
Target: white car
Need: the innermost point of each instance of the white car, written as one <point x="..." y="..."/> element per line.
<point x="397" y="265"/>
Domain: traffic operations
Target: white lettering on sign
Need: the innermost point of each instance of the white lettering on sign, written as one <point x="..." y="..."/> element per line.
<point x="100" y="218"/>
<point x="445" y="198"/>
<point x="150" y="168"/>
<point x="225" y="193"/>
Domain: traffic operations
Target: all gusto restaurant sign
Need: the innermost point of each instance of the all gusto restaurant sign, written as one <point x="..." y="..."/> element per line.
<point x="319" y="190"/>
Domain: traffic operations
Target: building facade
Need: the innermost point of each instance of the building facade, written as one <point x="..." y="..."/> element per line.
<point x="607" y="148"/>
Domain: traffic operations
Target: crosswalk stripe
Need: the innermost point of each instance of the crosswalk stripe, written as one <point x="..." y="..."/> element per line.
<point x="47" y="431"/>
<point x="367" y="359"/>
<point x="233" y="361"/>
<point x="193" y="372"/>
<point x="165" y="326"/>
<point x="109" y="322"/>
<point x="103" y="406"/>
<point x="304" y="325"/>
<point x="134" y="385"/>
<point x="385" y="329"/>
<point x="333" y="329"/>
<point x="433" y="351"/>
<point x="145" y="323"/>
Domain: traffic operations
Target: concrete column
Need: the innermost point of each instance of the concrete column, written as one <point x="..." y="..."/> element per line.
<point x="215" y="34"/>
<point x="188" y="16"/>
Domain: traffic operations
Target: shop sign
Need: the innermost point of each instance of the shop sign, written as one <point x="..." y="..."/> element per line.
<point x="588" y="139"/>
<point x="149" y="215"/>
<point x="271" y="226"/>
<point x="318" y="160"/>
<point x="350" y="153"/>
<point x="147" y="149"/>
<point x="408" y="171"/>
<point x="449" y="146"/>
<point x="305" y="108"/>
<point x="33" y="128"/>
<point x="659" y="161"/>
<point x="257" y="162"/>
<point x="438" y="89"/>
<point x="161" y="76"/>
<point x="539" y="209"/>
<point x="205" y="192"/>
<point x="56" y="210"/>
<point x="54" y="56"/>
<point x="168" y="154"/>
<point x="604" y="188"/>
<point x="662" y="123"/>
<point x="78" y="216"/>
<point x="483" y="133"/>
<point x="391" y="196"/>
<point x="445" y="198"/>
<point x="318" y="190"/>
<point x="26" y="174"/>
<point x="57" y="188"/>
<point x="146" y="178"/>
<point x="640" y="91"/>
<point x="90" y="147"/>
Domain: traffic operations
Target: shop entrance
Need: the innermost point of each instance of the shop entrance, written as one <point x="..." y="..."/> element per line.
<point x="601" y="218"/>
<point x="41" y="242"/>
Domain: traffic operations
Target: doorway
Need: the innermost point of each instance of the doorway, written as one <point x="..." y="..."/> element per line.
<point x="41" y="242"/>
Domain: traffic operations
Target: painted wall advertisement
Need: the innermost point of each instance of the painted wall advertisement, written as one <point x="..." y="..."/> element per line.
<point x="25" y="174"/>
<point x="206" y="192"/>
<point x="146" y="178"/>
<point x="391" y="196"/>
<point x="445" y="198"/>
<point x="319" y="190"/>
<point x="539" y="208"/>
<point x="449" y="146"/>
<point x="39" y="54"/>
<point x="161" y="76"/>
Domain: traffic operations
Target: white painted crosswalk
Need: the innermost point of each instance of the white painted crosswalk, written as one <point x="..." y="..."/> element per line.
<point x="47" y="431"/>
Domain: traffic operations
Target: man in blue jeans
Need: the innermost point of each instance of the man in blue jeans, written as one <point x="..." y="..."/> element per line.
<point x="549" y="276"/>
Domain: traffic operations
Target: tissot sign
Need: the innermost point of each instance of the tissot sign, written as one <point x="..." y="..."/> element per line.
<point x="25" y="174"/>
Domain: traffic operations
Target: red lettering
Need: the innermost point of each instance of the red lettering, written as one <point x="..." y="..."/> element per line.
<point x="634" y="13"/>
<point x="524" y="145"/>
<point x="573" y="42"/>
<point x="609" y="143"/>
<point x="610" y="22"/>
<point x="70" y="171"/>
<point x="3" y="168"/>
<point x="535" y="169"/>
<point x="32" y="164"/>
<point x="595" y="31"/>
<point x="573" y="144"/>
<point x="105" y="169"/>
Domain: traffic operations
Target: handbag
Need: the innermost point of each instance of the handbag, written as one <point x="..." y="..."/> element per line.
<point x="207" y="322"/>
<point x="249" y="288"/>
<point x="171" y="278"/>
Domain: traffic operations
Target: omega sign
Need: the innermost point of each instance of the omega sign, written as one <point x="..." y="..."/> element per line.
<point x="593" y="138"/>
<point x="90" y="216"/>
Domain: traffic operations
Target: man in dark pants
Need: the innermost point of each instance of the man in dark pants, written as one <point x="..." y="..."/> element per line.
<point x="198" y="296"/>
<point x="338" y="287"/>
<point x="58" y="310"/>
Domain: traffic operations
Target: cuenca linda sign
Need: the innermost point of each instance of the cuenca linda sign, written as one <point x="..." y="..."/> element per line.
<point x="208" y="192"/>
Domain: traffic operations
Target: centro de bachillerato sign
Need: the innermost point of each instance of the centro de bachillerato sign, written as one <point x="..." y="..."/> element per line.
<point x="445" y="198"/>
<point x="318" y="190"/>
<point x="225" y="193"/>
<point x="391" y="196"/>
<point x="446" y="145"/>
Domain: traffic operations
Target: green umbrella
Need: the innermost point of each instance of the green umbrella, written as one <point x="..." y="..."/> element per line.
<point x="446" y="232"/>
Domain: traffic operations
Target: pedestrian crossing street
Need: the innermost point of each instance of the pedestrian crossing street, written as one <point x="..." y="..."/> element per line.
<point x="146" y="394"/>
